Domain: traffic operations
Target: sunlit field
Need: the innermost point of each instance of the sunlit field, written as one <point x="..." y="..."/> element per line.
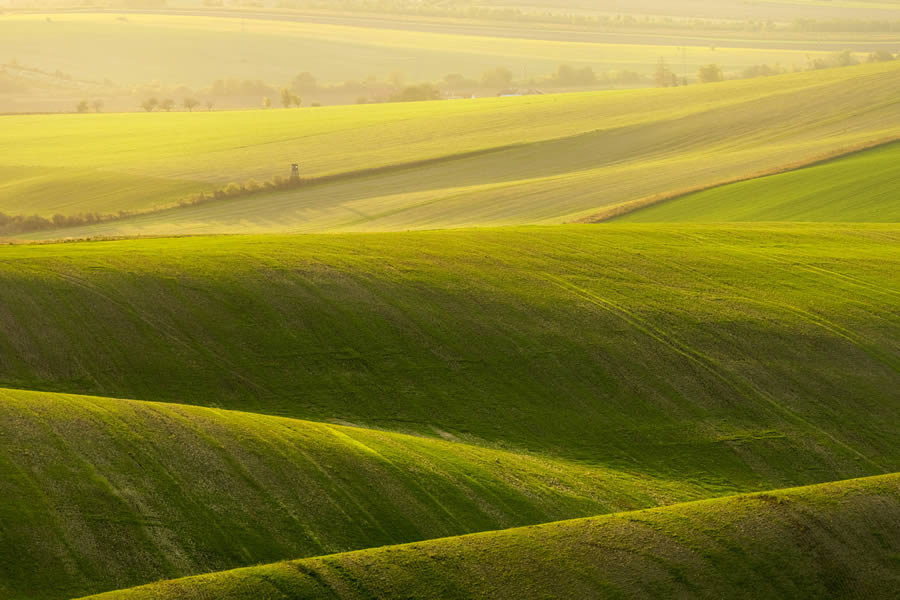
<point x="543" y="159"/>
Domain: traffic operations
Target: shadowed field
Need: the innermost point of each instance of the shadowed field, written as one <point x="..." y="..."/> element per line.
<point x="838" y="540"/>
<point x="734" y="358"/>
<point x="100" y="494"/>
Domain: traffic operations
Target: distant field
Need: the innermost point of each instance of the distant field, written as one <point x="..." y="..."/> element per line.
<point x="88" y="480"/>
<point x="735" y="359"/>
<point x="838" y="540"/>
<point x="861" y="187"/>
<point x="195" y="50"/>
<point x="779" y="10"/>
<point x="543" y="159"/>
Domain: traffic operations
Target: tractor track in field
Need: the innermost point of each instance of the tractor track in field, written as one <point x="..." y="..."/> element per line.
<point x="744" y="387"/>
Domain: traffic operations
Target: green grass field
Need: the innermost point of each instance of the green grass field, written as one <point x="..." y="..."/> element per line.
<point x="364" y="387"/>
<point x="861" y="187"/>
<point x="546" y="159"/>
<point x="730" y="358"/>
<point x="839" y="540"/>
<point x="86" y="481"/>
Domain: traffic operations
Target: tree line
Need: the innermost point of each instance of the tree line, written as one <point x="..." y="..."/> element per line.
<point x="395" y="88"/>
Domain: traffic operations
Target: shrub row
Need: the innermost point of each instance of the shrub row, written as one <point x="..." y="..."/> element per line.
<point x="14" y="224"/>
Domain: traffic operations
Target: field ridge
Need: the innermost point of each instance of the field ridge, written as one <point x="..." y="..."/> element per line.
<point x="87" y="480"/>
<point x="835" y="540"/>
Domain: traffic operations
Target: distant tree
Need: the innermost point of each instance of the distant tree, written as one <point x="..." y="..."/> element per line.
<point x="758" y="71"/>
<point x="233" y="189"/>
<point x="150" y="104"/>
<point x="83" y="106"/>
<point x="625" y="77"/>
<point x="167" y="104"/>
<point x="417" y="93"/>
<point x="288" y="98"/>
<point x="663" y="76"/>
<point x="567" y="75"/>
<point x="844" y="59"/>
<point x="97" y="105"/>
<point x="190" y="104"/>
<point x="304" y="83"/>
<point x="880" y="56"/>
<point x="710" y="74"/>
<point x="210" y="104"/>
<point x="455" y="80"/>
<point x="499" y="77"/>
<point x="267" y="102"/>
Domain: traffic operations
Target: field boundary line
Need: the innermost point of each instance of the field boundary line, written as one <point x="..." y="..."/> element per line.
<point x="633" y="206"/>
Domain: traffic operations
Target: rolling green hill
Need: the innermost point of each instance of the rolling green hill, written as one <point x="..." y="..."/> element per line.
<point x="542" y="159"/>
<point x="99" y="494"/>
<point x="838" y="540"/>
<point x="739" y="358"/>
<point x="581" y="345"/>
<point x="860" y="187"/>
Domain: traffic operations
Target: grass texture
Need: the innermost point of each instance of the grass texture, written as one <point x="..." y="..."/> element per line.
<point x="99" y="494"/>
<point x="838" y="540"/>
<point x="859" y="187"/>
<point x="544" y="159"/>
<point x="739" y="358"/>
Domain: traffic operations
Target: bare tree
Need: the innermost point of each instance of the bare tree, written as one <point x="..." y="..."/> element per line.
<point x="97" y="105"/>
<point x="150" y="104"/>
<point x="167" y="105"/>
<point x="83" y="106"/>
<point x="190" y="104"/>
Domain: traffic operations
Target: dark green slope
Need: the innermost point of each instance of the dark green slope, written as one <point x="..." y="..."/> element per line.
<point x="739" y="359"/>
<point x="839" y="540"/>
<point x="98" y="494"/>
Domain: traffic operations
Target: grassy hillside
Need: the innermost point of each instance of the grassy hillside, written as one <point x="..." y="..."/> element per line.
<point x="734" y="358"/>
<point x="551" y="159"/>
<point x="99" y="494"/>
<point x="839" y="540"/>
<point x="860" y="187"/>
